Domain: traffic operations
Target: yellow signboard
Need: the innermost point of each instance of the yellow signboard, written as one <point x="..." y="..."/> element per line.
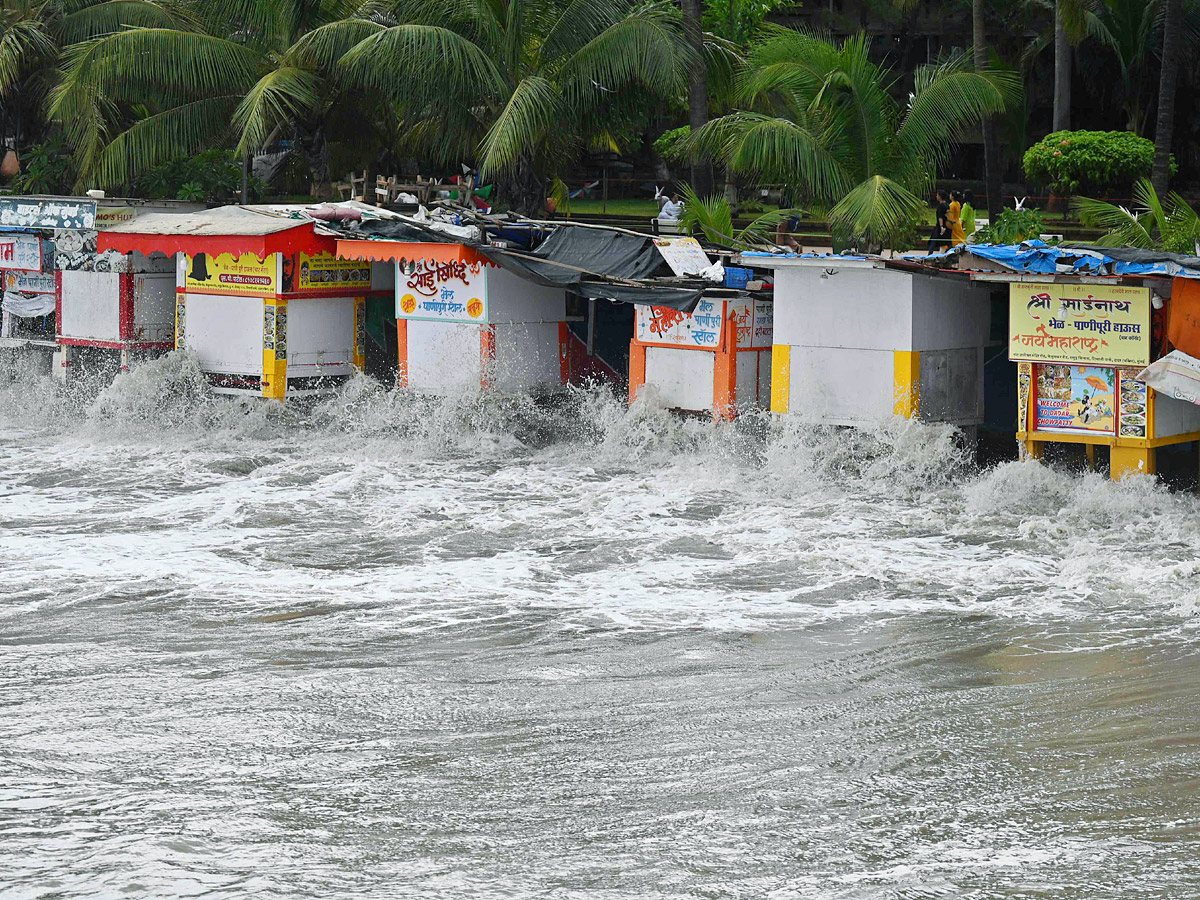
<point x="1087" y="324"/>
<point x="325" y="272"/>
<point x="244" y="276"/>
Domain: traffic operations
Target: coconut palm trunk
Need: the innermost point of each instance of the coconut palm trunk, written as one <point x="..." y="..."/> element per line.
<point x="1062" y="70"/>
<point x="1172" y="23"/>
<point x="702" y="174"/>
<point x="991" y="164"/>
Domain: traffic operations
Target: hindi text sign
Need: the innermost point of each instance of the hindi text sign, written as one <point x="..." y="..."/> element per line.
<point x="1084" y="324"/>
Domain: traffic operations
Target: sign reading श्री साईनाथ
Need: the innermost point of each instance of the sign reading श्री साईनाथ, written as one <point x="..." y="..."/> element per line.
<point x="1087" y="324"/>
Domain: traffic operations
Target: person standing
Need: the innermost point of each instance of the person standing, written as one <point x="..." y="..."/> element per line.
<point x="954" y="218"/>
<point x="968" y="214"/>
<point x="940" y="238"/>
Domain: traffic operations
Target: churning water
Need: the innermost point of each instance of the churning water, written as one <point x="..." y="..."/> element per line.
<point x="380" y="646"/>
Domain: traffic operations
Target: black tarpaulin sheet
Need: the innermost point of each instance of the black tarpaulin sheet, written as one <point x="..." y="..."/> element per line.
<point x="580" y="258"/>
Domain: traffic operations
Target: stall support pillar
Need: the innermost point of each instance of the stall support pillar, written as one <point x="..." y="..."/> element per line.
<point x="64" y="358"/>
<point x="360" y="333"/>
<point x="637" y="368"/>
<point x="487" y="356"/>
<point x="123" y="360"/>
<point x="564" y="352"/>
<point x="906" y="383"/>
<point x="781" y="377"/>
<point x="725" y="374"/>
<point x="1090" y="451"/>
<point x="274" y="377"/>
<point x="1133" y="461"/>
<point x="1032" y="449"/>
<point x="402" y="353"/>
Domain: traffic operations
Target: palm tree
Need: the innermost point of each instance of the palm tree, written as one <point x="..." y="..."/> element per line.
<point x="220" y="73"/>
<point x="32" y="33"/>
<point x="1168" y="78"/>
<point x="1154" y="225"/>
<point x="520" y="86"/>
<point x="819" y="116"/>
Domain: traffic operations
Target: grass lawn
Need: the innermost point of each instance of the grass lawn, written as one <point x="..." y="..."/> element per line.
<point x="614" y="207"/>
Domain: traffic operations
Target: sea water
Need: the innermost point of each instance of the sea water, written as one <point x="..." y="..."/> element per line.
<point x="384" y="646"/>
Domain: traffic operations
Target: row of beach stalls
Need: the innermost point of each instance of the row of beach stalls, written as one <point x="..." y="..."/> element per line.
<point x="1066" y="346"/>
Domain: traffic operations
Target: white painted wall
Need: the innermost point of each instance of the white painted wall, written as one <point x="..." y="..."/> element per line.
<point x="527" y="357"/>
<point x="226" y="333"/>
<point x="683" y="378"/>
<point x="154" y="307"/>
<point x="841" y="386"/>
<point x="320" y="336"/>
<point x="853" y="307"/>
<point x="949" y="314"/>
<point x="91" y="306"/>
<point x="443" y="357"/>
<point x="1173" y="416"/>
<point x="513" y="299"/>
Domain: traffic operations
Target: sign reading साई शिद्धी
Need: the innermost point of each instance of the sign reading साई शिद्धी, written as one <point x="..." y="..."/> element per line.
<point x="1084" y="324"/>
<point x="444" y="291"/>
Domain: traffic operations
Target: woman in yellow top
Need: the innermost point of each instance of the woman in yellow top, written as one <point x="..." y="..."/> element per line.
<point x="954" y="217"/>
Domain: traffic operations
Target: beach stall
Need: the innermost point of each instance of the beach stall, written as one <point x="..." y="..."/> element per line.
<point x="465" y="323"/>
<point x="1080" y="345"/>
<point x="260" y="297"/>
<point x="714" y="359"/>
<point x="479" y="312"/>
<point x="857" y="339"/>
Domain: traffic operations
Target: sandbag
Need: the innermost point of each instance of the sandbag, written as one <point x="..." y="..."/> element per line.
<point x="1175" y="375"/>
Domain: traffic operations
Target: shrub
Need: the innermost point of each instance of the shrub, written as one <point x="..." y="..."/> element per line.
<point x="672" y="145"/>
<point x="47" y="169"/>
<point x="214" y="175"/>
<point x="1094" y="162"/>
<point x="1012" y="226"/>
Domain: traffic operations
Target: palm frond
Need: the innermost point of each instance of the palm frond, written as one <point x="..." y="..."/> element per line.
<point x="878" y="209"/>
<point x="415" y="64"/>
<point x="533" y="109"/>
<point x="279" y="96"/>
<point x="23" y="45"/>
<point x="1123" y="228"/>
<point x="709" y="214"/>
<point x="98" y="19"/>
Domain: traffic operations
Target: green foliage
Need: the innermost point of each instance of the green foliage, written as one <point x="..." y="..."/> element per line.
<point x="714" y="219"/>
<point x="819" y="116"/>
<point x="672" y="145"/>
<point x="1069" y="162"/>
<point x="1152" y="225"/>
<point x="739" y="20"/>
<point x="1012" y="226"/>
<point x="46" y="169"/>
<point x="214" y="176"/>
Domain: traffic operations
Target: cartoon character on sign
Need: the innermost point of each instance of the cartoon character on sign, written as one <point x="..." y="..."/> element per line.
<point x="408" y="303"/>
<point x="199" y="268"/>
<point x="475" y="308"/>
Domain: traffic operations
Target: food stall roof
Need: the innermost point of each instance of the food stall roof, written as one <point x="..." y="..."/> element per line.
<point x="227" y="229"/>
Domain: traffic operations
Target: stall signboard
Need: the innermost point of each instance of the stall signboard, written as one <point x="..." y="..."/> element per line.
<point x="242" y="276"/>
<point x="30" y="282"/>
<point x="325" y="272"/>
<point x="1083" y="324"/>
<point x="452" y="291"/>
<point x="684" y="255"/>
<point x="1079" y="399"/>
<point x="755" y="320"/>
<point x="28" y="212"/>
<point x="665" y="327"/>
<point x="21" y="251"/>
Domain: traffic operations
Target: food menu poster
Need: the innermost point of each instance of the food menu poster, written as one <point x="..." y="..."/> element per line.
<point x="1080" y="399"/>
<point x="1080" y="324"/>
<point x="324" y="272"/>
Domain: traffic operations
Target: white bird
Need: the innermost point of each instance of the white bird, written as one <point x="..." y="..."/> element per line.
<point x="602" y="87"/>
<point x="1020" y="202"/>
